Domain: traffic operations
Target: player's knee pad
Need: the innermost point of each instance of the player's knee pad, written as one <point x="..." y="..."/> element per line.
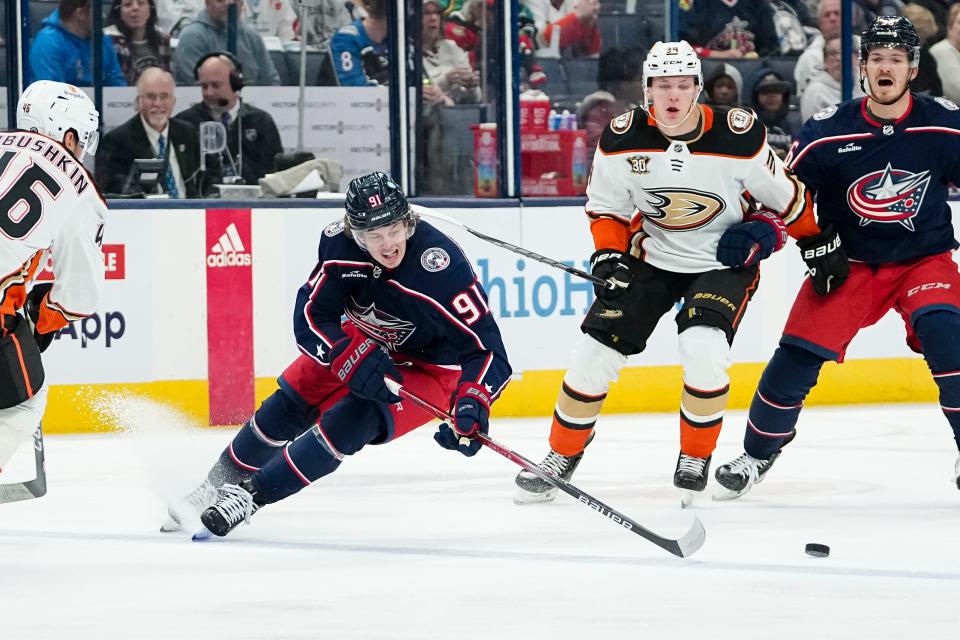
<point x="705" y="356"/>
<point x="939" y="335"/>
<point x="700" y="317"/>
<point x="595" y="367"/>
<point x="281" y="418"/>
<point x="790" y="374"/>
<point x="350" y="424"/>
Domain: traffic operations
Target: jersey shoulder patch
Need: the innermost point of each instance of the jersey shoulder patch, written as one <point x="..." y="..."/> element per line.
<point x="622" y="122"/>
<point x="333" y="229"/>
<point x="630" y="132"/>
<point x="735" y="133"/>
<point x="825" y="113"/>
<point x="435" y="259"/>
<point x="949" y="105"/>
<point x="740" y="120"/>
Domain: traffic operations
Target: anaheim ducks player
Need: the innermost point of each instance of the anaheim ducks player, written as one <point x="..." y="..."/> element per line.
<point x="49" y="204"/>
<point x="664" y="202"/>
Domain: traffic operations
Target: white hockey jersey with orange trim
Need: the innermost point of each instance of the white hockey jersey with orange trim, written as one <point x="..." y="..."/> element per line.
<point x="49" y="203"/>
<point x="671" y="200"/>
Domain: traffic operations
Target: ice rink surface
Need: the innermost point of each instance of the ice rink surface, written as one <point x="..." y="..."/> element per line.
<point x="411" y="541"/>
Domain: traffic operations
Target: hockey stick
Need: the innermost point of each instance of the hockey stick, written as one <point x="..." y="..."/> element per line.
<point x="430" y="213"/>
<point x="35" y="488"/>
<point x="683" y="547"/>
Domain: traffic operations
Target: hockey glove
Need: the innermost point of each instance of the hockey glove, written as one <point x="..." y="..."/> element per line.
<point x="32" y="309"/>
<point x="361" y="364"/>
<point x="753" y="240"/>
<point x="471" y="413"/>
<point x="826" y="260"/>
<point x="610" y="265"/>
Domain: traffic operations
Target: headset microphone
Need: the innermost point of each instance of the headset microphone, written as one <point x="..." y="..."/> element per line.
<point x="222" y="102"/>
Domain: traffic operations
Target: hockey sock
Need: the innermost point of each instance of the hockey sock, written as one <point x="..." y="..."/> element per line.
<point x="776" y="405"/>
<point x="939" y="335"/>
<point x="344" y="429"/>
<point x="701" y="417"/>
<point x="279" y="419"/>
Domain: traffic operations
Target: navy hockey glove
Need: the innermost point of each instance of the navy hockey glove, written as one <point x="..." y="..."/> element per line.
<point x="826" y="260"/>
<point x="361" y="364"/>
<point x="32" y="309"/>
<point x="753" y="240"/>
<point x="471" y="413"/>
<point x="610" y="265"/>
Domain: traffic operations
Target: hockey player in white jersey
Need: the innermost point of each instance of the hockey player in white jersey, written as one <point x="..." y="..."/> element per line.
<point x="671" y="205"/>
<point x="49" y="205"/>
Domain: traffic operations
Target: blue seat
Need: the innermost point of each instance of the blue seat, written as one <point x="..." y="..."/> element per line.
<point x="556" y="76"/>
<point x="315" y="62"/>
<point x="623" y="30"/>
<point x="785" y="67"/>
<point x="581" y="75"/>
<point x="280" y="62"/>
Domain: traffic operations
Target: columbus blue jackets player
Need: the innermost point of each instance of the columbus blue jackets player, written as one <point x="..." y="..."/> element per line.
<point x="880" y="167"/>
<point x="415" y="313"/>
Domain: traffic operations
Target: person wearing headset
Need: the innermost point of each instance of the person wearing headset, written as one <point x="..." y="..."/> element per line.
<point x="252" y="135"/>
<point x="208" y="32"/>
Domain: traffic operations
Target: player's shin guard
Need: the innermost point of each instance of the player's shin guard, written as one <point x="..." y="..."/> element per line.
<point x="776" y="405"/>
<point x="278" y="420"/>
<point x="584" y="389"/>
<point x="343" y="430"/>
<point x="939" y="336"/>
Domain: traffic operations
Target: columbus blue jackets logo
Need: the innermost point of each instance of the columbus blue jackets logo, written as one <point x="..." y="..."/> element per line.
<point x="380" y="326"/>
<point x="435" y="259"/>
<point x="890" y="195"/>
<point x="333" y="229"/>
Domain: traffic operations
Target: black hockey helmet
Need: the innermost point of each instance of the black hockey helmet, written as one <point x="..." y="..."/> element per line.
<point x="891" y="32"/>
<point x="375" y="200"/>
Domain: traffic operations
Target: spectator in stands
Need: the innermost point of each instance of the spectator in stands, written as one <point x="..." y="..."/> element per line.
<point x="824" y="89"/>
<point x="939" y="9"/>
<point x="358" y="51"/>
<point x="723" y="87"/>
<point x="152" y="133"/>
<point x="771" y="103"/>
<point x="947" y="54"/>
<point x="209" y="33"/>
<point x="174" y="15"/>
<point x="566" y="27"/>
<point x="621" y="73"/>
<point x="270" y="18"/>
<point x="811" y="60"/>
<point x="594" y="115"/>
<point x="138" y="42"/>
<point x="446" y="65"/>
<point x="323" y="18"/>
<point x="928" y="76"/>
<point x="728" y="28"/>
<point x="252" y="135"/>
<point x="874" y="8"/>
<point x="61" y="50"/>
<point x="466" y="26"/>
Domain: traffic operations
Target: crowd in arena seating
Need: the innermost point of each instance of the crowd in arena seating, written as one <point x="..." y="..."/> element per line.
<point x="780" y="58"/>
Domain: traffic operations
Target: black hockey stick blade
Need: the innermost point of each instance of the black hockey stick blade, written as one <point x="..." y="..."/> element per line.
<point x="36" y="488"/>
<point x="420" y="210"/>
<point x="683" y="547"/>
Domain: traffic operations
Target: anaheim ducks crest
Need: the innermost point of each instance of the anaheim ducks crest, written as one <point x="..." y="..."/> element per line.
<point x="681" y="209"/>
<point x="622" y="122"/>
<point x="739" y="120"/>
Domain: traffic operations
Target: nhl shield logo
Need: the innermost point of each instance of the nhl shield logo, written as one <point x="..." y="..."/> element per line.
<point x="890" y="195"/>
<point x="435" y="259"/>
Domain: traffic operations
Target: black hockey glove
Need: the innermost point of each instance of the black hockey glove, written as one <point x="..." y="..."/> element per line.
<point x="753" y="240"/>
<point x="32" y="309"/>
<point x="361" y="364"/>
<point x="826" y="260"/>
<point x="610" y="265"/>
<point x="471" y="413"/>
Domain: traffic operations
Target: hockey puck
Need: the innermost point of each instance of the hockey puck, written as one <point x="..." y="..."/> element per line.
<point x="817" y="550"/>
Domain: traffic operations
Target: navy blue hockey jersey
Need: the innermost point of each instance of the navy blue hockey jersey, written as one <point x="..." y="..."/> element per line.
<point x="431" y="307"/>
<point x="882" y="186"/>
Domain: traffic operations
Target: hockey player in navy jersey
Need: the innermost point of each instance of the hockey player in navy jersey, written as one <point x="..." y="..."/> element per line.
<point x="415" y="312"/>
<point x="880" y="167"/>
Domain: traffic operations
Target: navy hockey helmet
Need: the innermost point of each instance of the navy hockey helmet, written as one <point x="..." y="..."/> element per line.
<point x="374" y="201"/>
<point x="891" y="32"/>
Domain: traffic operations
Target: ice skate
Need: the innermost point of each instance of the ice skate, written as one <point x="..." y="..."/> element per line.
<point x="532" y="489"/>
<point x="235" y="504"/>
<point x="737" y="476"/>
<point x="690" y="476"/>
<point x="184" y="513"/>
<point x="956" y="472"/>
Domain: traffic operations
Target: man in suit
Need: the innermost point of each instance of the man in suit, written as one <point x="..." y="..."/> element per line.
<point x="252" y="136"/>
<point x="152" y="133"/>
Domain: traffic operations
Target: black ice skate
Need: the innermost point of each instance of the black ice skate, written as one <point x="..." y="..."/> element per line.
<point x="531" y="489"/>
<point x="235" y="504"/>
<point x="690" y="476"/>
<point x="737" y="476"/>
<point x="185" y="511"/>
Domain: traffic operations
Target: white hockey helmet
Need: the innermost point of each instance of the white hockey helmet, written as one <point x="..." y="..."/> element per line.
<point x="54" y="108"/>
<point x="667" y="59"/>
